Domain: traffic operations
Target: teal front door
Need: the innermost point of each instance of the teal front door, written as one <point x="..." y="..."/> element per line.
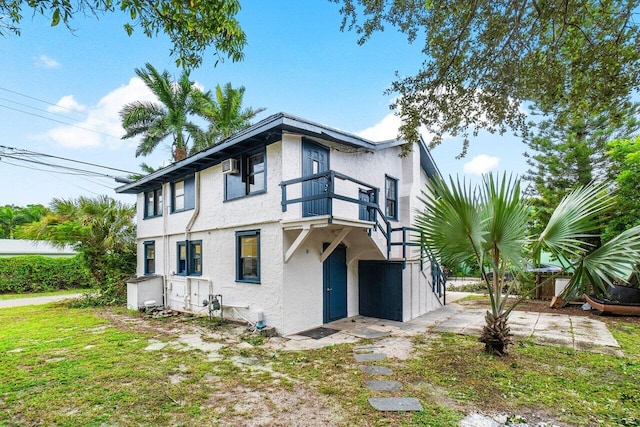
<point x="335" y="285"/>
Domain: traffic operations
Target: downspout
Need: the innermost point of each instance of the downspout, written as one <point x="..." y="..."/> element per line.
<point x="187" y="231"/>
<point x="165" y="244"/>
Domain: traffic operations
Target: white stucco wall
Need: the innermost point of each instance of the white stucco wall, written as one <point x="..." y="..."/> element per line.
<point x="303" y="289"/>
<point x="240" y="300"/>
<point x="290" y="295"/>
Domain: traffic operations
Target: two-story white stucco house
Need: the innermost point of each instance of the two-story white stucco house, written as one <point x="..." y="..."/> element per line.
<point x="291" y="224"/>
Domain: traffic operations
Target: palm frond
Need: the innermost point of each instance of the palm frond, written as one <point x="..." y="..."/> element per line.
<point x="577" y="215"/>
<point x="614" y="261"/>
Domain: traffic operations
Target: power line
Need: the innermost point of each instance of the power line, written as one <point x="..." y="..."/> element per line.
<point x="34" y="153"/>
<point x="40" y="109"/>
<point x="43" y="101"/>
<point x="67" y="169"/>
<point x="56" y="175"/>
<point x="59" y="121"/>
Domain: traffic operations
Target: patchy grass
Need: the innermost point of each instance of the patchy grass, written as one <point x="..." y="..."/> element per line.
<point x="45" y="294"/>
<point x="72" y="367"/>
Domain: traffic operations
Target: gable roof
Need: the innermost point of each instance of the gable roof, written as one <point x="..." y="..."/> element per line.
<point x="266" y="131"/>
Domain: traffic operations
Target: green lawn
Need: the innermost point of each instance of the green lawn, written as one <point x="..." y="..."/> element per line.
<point x="72" y="367"/>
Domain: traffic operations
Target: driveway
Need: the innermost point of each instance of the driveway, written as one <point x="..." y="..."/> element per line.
<point x="19" y="302"/>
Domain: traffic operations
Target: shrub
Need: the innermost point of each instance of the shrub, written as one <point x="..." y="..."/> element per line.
<point x="34" y="273"/>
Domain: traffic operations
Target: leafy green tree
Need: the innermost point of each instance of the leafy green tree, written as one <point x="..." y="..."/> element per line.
<point x="102" y="230"/>
<point x="11" y="217"/>
<point x="572" y="152"/>
<point x="625" y="170"/>
<point x="225" y="115"/>
<point x="490" y="223"/>
<point x="171" y="117"/>
<point x="192" y="26"/>
<point x="484" y="58"/>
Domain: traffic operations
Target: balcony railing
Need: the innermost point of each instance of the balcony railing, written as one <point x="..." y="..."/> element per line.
<point x="374" y="214"/>
<point x="371" y="207"/>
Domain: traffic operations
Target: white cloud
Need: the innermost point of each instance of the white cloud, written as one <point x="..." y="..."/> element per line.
<point x="46" y="62"/>
<point x="102" y="125"/>
<point x="385" y="129"/>
<point x="65" y="105"/>
<point x="481" y="164"/>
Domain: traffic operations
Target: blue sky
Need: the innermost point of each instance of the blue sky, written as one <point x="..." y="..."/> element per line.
<point x="296" y="61"/>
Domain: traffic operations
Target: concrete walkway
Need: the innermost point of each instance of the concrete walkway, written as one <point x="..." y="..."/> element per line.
<point x="19" y="302"/>
<point x="578" y="332"/>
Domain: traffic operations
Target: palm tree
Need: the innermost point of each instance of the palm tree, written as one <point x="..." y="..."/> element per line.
<point x="170" y="117"/>
<point x="490" y="224"/>
<point x="225" y="115"/>
<point x="101" y="229"/>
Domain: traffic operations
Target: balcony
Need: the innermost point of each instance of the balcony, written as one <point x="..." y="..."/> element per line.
<point x="333" y="200"/>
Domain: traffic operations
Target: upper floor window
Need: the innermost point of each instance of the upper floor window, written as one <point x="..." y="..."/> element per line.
<point x="189" y="258"/>
<point x="250" y="179"/>
<point x="391" y="197"/>
<point x="183" y="195"/>
<point x="149" y="257"/>
<point x="153" y="203"/>
<point x="255" y="173"/>
<point x="248" y="256"/>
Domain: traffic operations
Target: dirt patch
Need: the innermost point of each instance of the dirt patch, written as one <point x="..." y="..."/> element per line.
<point x="398" y="347"/>
<point x="272" y="407"/>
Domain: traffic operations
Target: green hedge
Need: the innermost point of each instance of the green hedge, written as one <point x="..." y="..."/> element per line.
<point x="31" y="273"/>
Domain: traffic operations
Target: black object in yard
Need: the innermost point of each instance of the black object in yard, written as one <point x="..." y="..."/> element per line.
<point x="624" y="294"/>
<point x="318" y="333"/>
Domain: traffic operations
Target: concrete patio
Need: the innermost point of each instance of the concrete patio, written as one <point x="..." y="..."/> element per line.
<point x="581" y="333"/>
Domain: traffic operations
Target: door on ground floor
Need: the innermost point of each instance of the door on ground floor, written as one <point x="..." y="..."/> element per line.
<point x="335" y="284"/>
<point x="380" y="289"/>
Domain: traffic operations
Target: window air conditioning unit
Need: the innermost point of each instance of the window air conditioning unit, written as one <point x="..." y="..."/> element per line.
<point x="230" y="166"/>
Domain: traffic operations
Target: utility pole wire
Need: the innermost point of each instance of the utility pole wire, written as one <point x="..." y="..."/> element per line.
<point x="59" y="121"/>
<point x="19" y="151"/>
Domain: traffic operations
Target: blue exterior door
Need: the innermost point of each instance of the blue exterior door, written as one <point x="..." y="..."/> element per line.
<point x="335" y="285"/>
<point x="380" y="289"/>
<point x="315" y="159"/>
<point x="367" y="214"/>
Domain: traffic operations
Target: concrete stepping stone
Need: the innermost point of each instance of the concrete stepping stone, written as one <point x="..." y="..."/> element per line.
<point x="370" y="357"/>
<point x="396" y="404"/>
<point x="384" y="385"/>
<point x="375" y="370"/>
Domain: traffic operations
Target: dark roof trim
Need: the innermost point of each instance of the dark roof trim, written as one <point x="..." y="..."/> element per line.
<point x="265" y="132"/>
<point x="426" y="160"/>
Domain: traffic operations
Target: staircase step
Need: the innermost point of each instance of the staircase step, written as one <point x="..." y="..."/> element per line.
<point x="396" y="404"/>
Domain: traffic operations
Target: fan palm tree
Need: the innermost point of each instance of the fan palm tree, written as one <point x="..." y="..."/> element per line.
<point x="170" y="117"/>
<point x="225" y="115"/>
<point x="490" y="223"/>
